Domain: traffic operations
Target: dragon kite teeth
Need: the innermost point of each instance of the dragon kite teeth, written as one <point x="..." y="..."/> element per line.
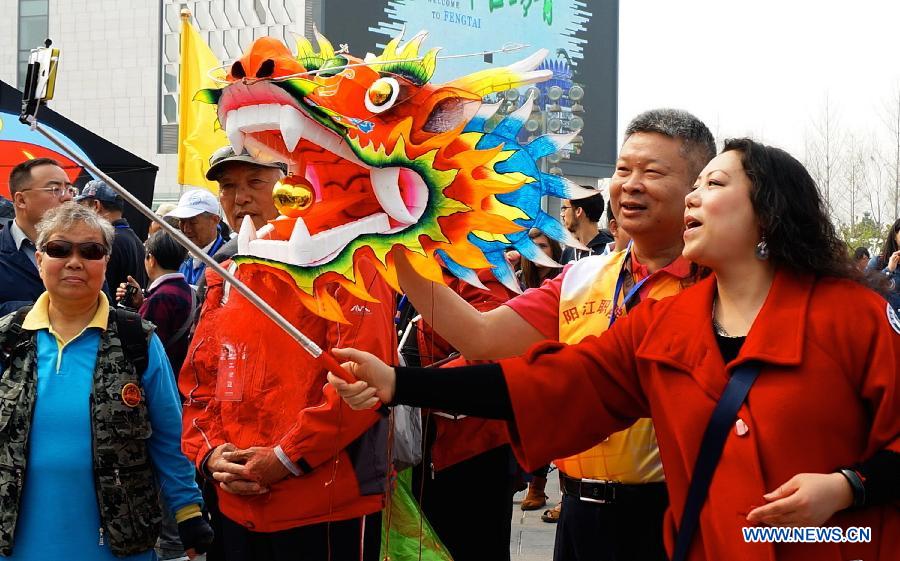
<point x="386" y="161"/>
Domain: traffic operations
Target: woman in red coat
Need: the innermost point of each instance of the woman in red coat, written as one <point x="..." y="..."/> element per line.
<point x="817" y="440"/>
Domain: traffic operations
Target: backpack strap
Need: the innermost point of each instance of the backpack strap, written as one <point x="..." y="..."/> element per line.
<point x="129" y="326"/>
<point x="11" y="332"/>
<point x="711" y="447"/>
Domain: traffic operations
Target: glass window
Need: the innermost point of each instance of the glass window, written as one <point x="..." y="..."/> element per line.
<point x="260" y="11"/>
<point x="34" y="26"/>
<point x="170" y="110"/>
<point x="33" y="8"/>
<point x="173" y="17"/>
<point x="204" y="20"/>
<point x="170" y="78"/>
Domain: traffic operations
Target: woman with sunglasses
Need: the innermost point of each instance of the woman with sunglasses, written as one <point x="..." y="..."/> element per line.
<point x="814" y="443"/>
<point x="84" y="436"/>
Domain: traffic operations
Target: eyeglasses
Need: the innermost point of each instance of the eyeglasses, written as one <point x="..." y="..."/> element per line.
<point x="562" y="209"/>
<point x="58" y="192"/>
<point x="61" y="249"/>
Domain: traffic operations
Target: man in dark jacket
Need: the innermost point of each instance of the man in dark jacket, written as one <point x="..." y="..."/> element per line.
<point x="6" y="209"/>
<point x="580" y="216"/>
<point x="127" y="257"/>
<point x="35" y="186"/>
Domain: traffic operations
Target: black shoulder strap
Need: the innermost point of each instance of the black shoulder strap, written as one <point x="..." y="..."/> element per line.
<point x="12" y="335"/>
<point x="720" y="423"/>
<point x="134" y="339"/>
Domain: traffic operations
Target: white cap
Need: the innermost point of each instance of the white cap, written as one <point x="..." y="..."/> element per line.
<point x="195" y="202"/>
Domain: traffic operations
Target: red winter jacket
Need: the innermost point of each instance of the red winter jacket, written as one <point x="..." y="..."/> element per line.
<point x="279" y="396"/>
<point x="827" y="396"/>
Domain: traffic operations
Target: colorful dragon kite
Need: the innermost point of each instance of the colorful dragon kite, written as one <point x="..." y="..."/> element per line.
<point x="382" y="160"/>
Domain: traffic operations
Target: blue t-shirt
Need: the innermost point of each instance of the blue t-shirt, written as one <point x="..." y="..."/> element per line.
<point x="59" y="516"/>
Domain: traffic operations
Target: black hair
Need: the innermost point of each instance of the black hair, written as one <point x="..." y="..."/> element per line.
<point x="697" y="145"/>
<point x="861" y="252"/>
<point x="118" y="206"/>
<point x="21" y="174"/>
<point x="890" y="244"/>
<point x="167" y="252"/>
<point x="792" y="214"/>
<point x="592" y="206"/>
<point x="610" y="216"/>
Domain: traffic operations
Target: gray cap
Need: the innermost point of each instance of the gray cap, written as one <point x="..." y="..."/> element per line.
<point x="226" y="154"/>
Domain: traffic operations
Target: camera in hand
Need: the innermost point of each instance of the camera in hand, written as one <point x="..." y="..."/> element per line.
<point x="127" y="301"/>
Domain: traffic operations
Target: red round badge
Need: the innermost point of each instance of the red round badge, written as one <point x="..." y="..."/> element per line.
<point x="131" y="395"/>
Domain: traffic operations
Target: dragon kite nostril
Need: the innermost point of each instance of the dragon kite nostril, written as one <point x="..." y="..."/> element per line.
<point x="237" y="70"/>
<point x="266" y="69"/>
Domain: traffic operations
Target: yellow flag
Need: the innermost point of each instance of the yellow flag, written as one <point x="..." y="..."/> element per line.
<point x="198" y="133"/>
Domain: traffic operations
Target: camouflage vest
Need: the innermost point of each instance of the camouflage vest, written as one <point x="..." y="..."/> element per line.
<point x="124" y="479"/>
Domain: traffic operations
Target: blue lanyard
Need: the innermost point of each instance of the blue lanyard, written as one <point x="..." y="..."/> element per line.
<point x="619" y="283"/>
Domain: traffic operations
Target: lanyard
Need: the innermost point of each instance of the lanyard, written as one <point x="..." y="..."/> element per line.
<point x="619" y="283"/>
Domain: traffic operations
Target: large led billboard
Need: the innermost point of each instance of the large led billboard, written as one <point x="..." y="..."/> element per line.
<point x="581" y="36"/>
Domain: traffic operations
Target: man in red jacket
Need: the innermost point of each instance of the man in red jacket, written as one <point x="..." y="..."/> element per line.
<point x="300" y="475"/>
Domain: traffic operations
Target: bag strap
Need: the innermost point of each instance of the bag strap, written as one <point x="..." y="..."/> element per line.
<point x="134" y="339"/>
<point x="12" y="335"/>
<point x="711" y="447"/>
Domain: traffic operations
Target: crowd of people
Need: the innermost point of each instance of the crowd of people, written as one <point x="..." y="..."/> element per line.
<point x="141" y="418"/>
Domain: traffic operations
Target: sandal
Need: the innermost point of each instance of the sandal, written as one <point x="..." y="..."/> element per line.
<point x="551" y="515"/>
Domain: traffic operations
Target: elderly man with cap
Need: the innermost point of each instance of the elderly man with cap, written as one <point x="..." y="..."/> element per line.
<point x="127" y="257"/>
<point x="198" y="213"/>
<point x="245" y="189"/>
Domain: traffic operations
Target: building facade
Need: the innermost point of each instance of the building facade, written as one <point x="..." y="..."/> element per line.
<point x="118" y="69"/>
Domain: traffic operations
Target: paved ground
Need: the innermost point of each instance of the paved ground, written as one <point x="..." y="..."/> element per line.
<point x="531" y="538"/>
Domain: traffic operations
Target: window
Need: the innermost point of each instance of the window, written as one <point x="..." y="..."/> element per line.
<point x="34" y="26"/>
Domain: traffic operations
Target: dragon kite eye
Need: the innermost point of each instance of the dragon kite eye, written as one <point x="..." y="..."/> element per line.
<point x="382" y="94"/>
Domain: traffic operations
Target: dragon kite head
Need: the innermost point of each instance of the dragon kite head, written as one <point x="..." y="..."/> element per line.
<point x="382" y="160"/>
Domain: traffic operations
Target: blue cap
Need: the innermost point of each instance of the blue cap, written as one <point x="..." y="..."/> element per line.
<point x="97" y="189"/>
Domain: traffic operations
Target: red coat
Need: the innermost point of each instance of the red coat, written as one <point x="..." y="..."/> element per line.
<point x="827" y="397"/>
<point x="285" y="399"/>
<point x="457" y="440"/>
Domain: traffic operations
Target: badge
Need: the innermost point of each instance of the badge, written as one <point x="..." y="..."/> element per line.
<point x="131" y="395"/>
<point x="893" y="319"/>
<point x="741" y="428"/>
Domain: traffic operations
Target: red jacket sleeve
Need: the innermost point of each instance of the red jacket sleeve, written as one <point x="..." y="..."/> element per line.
<point x="201" y="429"/>
<point x="540" y="306"/>
<point x="321" y="430"/>
<point x="876" y="344"/>
<point x="594" y="386"/>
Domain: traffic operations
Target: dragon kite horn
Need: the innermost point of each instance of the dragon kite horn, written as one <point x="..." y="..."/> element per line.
<point x="515" y="75"/>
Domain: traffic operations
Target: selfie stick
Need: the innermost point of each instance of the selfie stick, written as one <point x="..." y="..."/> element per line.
<point x="36" y="94"/>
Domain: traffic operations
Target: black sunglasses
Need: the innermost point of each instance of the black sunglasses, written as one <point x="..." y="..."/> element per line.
<point x="61" y="249"/>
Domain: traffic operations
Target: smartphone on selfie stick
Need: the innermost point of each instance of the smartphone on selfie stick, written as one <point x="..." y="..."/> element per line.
<point x="40" y="80"/>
